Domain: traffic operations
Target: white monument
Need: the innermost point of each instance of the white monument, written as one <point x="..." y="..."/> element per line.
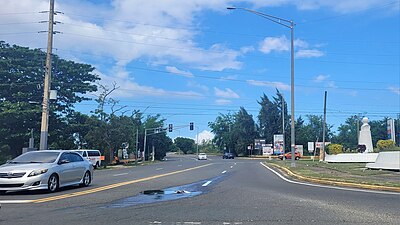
<point x="365" y="136"/>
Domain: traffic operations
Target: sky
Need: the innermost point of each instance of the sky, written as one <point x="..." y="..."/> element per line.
<point x="191" y="60"/>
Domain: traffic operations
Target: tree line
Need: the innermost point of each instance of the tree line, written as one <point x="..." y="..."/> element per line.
<point x="109" y="125"/>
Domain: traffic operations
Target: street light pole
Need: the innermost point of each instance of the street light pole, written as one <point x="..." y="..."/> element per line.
<point x="289" y="24"/>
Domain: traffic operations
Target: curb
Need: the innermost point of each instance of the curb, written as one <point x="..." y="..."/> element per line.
<point x="336" y="183"/>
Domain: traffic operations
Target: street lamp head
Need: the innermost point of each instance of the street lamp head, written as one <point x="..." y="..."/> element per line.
<point x="231" y="8"/>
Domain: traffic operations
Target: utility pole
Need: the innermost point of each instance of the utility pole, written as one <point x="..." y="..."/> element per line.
<point x="283" y="124"/>
<point x="322" y="152"/>
<point x="144" y="147"/>
<point x="197" y="137"/>
<point x="137" y="143"/>
<point x="44" y="130"/>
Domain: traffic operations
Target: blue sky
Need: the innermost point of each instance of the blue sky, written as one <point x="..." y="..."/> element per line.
<point x="191" y="60"/>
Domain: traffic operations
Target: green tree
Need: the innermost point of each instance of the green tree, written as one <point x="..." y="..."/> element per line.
<point x="222" y="129"/>
<point x="378" y="130"/>
<point x="21" y="79"/>
<point x="159" y="139"/>
<point x="347" y="135"/>
<point x="244" y="131"/>
<point x="186" y="145"/>
<point x="269" y="119"/>
<point x="312" y="130"/>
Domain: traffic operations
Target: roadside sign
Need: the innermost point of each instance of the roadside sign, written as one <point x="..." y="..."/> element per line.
<point x="310" y="146"/>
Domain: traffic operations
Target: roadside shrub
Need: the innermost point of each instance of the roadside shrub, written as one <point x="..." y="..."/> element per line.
<point x="384" y="144"/>
<point x="334" y="149"/>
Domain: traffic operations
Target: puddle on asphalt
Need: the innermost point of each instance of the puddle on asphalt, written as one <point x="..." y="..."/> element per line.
<point x="169" y="194"/>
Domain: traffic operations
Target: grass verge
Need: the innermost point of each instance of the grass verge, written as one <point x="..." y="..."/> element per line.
<point x="355" y="173"/>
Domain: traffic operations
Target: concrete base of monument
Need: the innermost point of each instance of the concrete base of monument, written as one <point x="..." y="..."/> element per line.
<point x="386" y="160"/>
<point x="352" y="158"/>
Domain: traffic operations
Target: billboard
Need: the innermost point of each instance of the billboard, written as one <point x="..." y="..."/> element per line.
<point x="278" y="144"/>
<point x="267" y="149"/>
<point x="258" y="143"/>
<point x="310" y="146"/>
<point x="390" y="130"/>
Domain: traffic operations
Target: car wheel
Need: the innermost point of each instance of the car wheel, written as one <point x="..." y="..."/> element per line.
<point x="97" y="165"/>
<point x="53" y="183"/>
<point x="297" y="158"/>
<point x="87" y="179"/>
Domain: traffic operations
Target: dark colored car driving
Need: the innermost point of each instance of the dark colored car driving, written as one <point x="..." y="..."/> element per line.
<point x="228" y="155"/>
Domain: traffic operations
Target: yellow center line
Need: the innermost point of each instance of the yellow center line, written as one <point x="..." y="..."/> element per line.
<point x="110" y="186"/>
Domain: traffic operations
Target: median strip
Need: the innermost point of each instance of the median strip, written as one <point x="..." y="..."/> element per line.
<point x="335" y="183"/>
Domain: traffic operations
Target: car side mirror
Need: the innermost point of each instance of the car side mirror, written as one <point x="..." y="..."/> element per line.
<point x="63" y="161"/>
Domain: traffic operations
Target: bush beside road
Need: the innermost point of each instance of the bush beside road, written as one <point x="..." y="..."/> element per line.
<point x="353" y="173"/>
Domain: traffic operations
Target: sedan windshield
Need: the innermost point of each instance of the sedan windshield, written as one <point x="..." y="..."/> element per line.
<point x="36" y="157"/>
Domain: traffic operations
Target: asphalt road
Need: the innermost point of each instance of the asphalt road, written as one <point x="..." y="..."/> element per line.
<point x="214" y="191"/>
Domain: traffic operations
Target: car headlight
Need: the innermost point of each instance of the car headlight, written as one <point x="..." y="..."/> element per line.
<point x="37" y="172"/>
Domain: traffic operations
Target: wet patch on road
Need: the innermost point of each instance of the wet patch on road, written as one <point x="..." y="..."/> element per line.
<point x="169" y="194"/>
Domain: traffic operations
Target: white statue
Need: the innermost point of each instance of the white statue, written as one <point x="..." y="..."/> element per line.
<point x="365" y="136"/>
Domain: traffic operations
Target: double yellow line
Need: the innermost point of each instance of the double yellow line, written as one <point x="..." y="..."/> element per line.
<point x="110" y="186"/>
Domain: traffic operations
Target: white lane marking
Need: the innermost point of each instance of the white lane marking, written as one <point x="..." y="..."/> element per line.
<point x="206" y="183"/>
<point x="179" y="165"/>
<point x="324" y="186"/>
<point x="120" y="174"/>
<point x="15" y="201"/>
<point x="224" y="171"/>
<point x="231" y="167"/>
<point x="159" y="168"/>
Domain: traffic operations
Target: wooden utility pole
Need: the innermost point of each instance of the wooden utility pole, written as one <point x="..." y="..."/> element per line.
<point x="44" y="130"/>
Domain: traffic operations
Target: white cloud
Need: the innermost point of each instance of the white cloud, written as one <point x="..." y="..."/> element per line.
<point x="278" y="85"/>
<point x="151" y="31"/>
<point x="321" y="78"/>
<point x="282" y="44"/>
<point x="223" y="102"/>
<point x="331" y="84"/>
<point x="278" y="44"/>
<point x="308" y="53"/>
<point x="246" y="49"/>
<point x="229" y="77"/>
<point x="324" y="80"/>
<point x="193" y="84"/>
<point x="204" y="136"/>
<point x="227" y="93"/>
<point x="176" y="71"/>
<point x="130" y="89"/>
<point x="395" y="90"/>
<point x="300" y="43"/>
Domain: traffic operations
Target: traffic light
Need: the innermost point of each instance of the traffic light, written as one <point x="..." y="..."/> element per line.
<point x="191" y="126"/>
<point x="170" y="127"/>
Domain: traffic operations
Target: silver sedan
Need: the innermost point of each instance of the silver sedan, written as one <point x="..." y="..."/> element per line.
<point x="49" y="169"/>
